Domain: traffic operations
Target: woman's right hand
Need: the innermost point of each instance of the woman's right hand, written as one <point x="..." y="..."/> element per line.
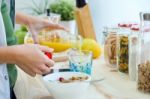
<point x="31" y="58"/>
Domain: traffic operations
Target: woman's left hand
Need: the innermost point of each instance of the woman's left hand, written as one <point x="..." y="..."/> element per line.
<point x="36" y="24"/>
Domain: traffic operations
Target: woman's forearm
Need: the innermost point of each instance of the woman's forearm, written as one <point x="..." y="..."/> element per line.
<point x="7" y="55"/>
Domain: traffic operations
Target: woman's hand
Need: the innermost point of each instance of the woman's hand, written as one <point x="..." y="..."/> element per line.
<point x="31" y="58"/>
<point x="35" y="24"/>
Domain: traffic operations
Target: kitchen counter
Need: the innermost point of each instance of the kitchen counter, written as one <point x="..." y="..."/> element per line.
<point x="115" y="85"/>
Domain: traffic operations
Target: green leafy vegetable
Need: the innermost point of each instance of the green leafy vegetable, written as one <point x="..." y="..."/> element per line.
<point x="64" y="8"/>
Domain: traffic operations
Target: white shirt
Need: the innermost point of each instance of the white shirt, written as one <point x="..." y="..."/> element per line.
<point x="4" y="80"/>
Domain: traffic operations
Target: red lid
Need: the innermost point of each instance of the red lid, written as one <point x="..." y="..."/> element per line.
<point x="126" y="25"/>
<point x="135" y="27"/>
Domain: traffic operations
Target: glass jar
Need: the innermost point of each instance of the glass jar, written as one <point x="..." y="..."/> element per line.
<point x="134" y="39"/>
<point x="144" y="66"/>
<point x="110" y="47"/>
<point x="122" y="48"/>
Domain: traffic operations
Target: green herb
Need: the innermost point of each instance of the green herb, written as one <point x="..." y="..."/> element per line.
<point x="64" y="8"/>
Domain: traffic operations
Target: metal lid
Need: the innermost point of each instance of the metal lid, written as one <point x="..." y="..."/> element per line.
<point x="146" y="16"/>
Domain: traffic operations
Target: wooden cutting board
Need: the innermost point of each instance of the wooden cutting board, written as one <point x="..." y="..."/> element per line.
<point x="84" y="22"/>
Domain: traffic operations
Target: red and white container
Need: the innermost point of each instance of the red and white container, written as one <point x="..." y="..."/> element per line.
<point x="134" y="41"/>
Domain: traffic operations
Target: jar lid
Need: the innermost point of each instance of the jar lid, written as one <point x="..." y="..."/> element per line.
<point x="135" y="27"/>
<point x="146" y="16"/>
<point x="125" y="25"/>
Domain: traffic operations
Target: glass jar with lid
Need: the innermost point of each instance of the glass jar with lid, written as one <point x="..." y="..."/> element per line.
<point x="123" y="47"/>
<point x="134" y="40"/>
<point x="110" y="47"/>
<point x="144" y="66"/>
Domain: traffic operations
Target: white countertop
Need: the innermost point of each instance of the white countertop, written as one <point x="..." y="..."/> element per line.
<point x="114" y="86"/>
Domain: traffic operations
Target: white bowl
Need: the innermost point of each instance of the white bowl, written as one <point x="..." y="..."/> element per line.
<point x="72" y="90"/>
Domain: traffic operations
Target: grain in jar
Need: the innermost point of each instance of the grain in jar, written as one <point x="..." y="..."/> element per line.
<point x="110" y="48"/>
<point x="123" y="48"/>
<point x="144" y="66"/>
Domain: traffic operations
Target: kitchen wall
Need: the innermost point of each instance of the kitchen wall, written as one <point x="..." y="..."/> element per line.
<point x="108" y="12"/>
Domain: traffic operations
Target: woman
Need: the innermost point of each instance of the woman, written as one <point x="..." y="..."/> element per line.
<point x="30" y="58"/>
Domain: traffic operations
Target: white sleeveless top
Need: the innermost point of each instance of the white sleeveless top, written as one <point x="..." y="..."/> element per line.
<point x="4" y="80"/>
